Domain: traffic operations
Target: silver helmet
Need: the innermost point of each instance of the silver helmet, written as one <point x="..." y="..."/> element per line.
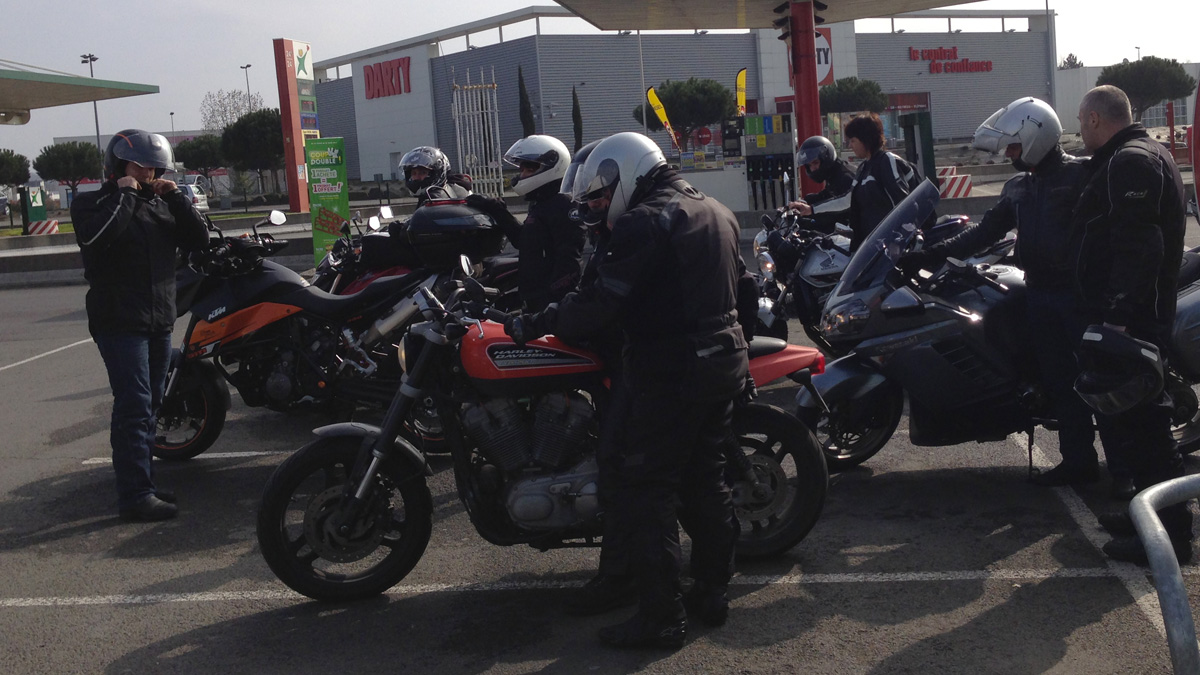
<point x="1028" y="121"/>
<point x="617" y="163"/>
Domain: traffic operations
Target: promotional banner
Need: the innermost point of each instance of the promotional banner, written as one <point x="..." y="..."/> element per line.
<point x="657" y="106"/>
<point x="328" y="191"/>
<point x="741" y="92"/>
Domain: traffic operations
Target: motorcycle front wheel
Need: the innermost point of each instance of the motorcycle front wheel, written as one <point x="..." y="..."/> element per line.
<point x="854" y="430"/>
<point x="189" y="423"/>
<point x="304" y="539"/>
<point x="780" y="509"/>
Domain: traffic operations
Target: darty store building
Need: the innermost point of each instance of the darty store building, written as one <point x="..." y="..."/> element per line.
<point x="959" y="65"/>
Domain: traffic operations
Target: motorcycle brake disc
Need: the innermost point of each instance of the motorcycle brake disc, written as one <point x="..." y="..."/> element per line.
<point x="320" y="530"/>
<point x="760" y="503"/>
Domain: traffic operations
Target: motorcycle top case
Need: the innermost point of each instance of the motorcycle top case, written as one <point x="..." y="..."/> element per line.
<point x="440" y="231"/>
<point x="1185" y="333"/>
<point x="497" y="366"/>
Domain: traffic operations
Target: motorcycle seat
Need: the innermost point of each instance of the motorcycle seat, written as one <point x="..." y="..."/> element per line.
<point x="341" y="307"/>
<point x="495" y="266"/>
<point x="765" y="346"/>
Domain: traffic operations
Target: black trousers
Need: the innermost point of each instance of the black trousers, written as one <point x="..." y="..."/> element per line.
<point x="669" y="453"/>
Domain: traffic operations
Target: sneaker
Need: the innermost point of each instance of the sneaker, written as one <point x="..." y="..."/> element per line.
<point x="1066" y="475"/>
<point x="1123" y="489"/>
<point x="1130" y="549"/>
<point x="1118" y="524"/>
<point x="640" y="632"/>
<point x="604" y="593"/>
<point x="708" y="603"/>
<point x="149" y="509"/>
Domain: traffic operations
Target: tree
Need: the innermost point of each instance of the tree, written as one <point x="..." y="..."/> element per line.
<point x="576" y="120"/>
<point x="1070" y="63"/>
<point x="1148" y="82"/>
<point x="201" y="154"/>
<point x="527" y="124"/>
<point x="691" y="104"/>
<point x="221" y="108"/>
<point x="69" y="163"/>
<point x="851" y="94"/>
<point x="255" y="142"/>
<point x="14" y="170"/>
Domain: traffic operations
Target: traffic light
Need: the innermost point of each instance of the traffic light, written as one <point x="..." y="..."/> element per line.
<point x="784" y="22"/>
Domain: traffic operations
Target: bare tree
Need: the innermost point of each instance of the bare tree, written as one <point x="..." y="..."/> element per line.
<point x="221" y="108"/>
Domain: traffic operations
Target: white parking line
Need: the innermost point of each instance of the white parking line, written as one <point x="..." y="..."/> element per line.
<point x="417" y="589"/>
<point x="52" y="351"/>
<point x="1133" y="577"/>
<point x="207" y="455"/>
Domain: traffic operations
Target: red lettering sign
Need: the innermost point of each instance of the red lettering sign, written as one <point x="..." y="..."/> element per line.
<point x="946" y="60"/>
<point x="387" y="78"/>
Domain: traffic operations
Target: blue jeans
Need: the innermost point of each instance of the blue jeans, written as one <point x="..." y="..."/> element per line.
<point x="137" y="373"/>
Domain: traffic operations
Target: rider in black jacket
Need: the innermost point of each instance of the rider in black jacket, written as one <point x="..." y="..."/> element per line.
<point x="1129" y="235"/>
<point x="820" y="160"/>
<point x="669" y="279"/>
<point x="128" y="232"/>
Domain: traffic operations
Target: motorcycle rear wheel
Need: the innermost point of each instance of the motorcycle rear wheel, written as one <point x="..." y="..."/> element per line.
<point x="1185" y="426"/>
<point x="791" y="470"/>
<point x="853" y="431"/>
<point x="189" y="423"/>
<point x="302" y="503"/>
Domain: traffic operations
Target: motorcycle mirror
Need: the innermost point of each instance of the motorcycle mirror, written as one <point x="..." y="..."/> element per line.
<point x="465" y="264"/>
<point x="767" y="222"/>
<point x="358" y="215"/>
<point x="373" y="223"/>
<point x="474" y="289"/>
<point x="346" y="229"/>
<point x="902" y="301"/>
<point x="385" y="213"/>
<point x="277" y="218"/>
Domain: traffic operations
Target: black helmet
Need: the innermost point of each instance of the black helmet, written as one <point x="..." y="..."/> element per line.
<point x="141" y="147"/>
<point x="425" y="157"/>
<point x="1117" y="370"/>
<point x="813" y="148"/>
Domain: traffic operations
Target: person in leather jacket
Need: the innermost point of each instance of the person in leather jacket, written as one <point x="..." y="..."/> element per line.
<point x="128" y="233"/>
<point x="882" y="181"/>
<point x="549" y="241"/>
<point x="669" y="280"/>
<point x="822" y="164"/>
<point x="1129" y="226"/>
<point x="1039" y="203"/>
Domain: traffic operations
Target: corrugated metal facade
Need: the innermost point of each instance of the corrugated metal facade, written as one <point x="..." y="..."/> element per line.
<point x="959" y="101"/>
<point x="335" y="110"/>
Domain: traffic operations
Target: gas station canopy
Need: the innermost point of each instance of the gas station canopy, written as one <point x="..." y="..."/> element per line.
<point x="717" y="14"/>
<point x="22" y="91"/>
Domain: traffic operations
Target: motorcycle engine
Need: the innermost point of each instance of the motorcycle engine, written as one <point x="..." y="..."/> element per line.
<point x="547" y="433"/>
<point x="555" y="501"/>
<point x="280" y="373"/>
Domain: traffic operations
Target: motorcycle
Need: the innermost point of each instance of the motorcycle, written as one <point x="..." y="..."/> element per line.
<point x="282" y="343"/>
<point x="956" y="345"/>
<point x="798" y="274"/>
<point x="350" y="514"/>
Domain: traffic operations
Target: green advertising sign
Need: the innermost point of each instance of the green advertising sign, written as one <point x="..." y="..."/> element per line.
<point x="328" y="191"/>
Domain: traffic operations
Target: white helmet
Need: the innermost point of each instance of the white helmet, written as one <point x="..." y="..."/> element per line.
<point x="619" y="162"/>
<point x="1028" y="121"/>
<point x="547" y="152"/>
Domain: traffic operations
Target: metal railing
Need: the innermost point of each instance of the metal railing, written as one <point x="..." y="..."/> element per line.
<point x="1168" y="581"/>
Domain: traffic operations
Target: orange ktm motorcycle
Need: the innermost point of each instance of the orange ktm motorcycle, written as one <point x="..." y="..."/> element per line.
<point x="349" y="515"/>
<point x="281" y="342"/>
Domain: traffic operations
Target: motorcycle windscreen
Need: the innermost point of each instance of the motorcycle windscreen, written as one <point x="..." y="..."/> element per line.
<point x="878" y="253"/>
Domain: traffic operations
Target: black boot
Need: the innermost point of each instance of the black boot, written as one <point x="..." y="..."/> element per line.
<point x="149" y="509"/>
<point x="1130" y="549"/>
<point x="604" y="593"/>
<point x="642" y="632"/>
<point x="1122" y="489"/>
<point x="706" y="602"/>
<point x="1118" y="524"/>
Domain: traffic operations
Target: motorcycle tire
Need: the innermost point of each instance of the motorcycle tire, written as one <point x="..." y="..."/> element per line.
<point x="853" y="431"/>
<point x="1185" y="424"/>
<point x="303" y="498"/>
<point x="190" y="422"/>
<point x="792" y="480"/>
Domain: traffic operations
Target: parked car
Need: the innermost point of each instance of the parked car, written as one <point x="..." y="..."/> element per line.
<point x="196" y="194"/>
<point x="3" y="206"/>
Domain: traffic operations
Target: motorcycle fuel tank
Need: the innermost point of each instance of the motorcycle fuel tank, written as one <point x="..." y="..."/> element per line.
<point x="499" y="367"/>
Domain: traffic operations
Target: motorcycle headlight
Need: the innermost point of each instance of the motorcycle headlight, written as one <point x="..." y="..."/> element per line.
<point x="766" y="266"/>
<point x="845" y="319"/>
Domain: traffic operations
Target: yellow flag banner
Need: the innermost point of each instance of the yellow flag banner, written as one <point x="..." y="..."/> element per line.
<point x="657" y="106"/>
<point x="741" y="92"/>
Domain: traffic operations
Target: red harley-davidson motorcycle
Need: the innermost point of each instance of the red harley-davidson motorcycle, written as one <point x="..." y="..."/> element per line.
<point x="350" y="514"/>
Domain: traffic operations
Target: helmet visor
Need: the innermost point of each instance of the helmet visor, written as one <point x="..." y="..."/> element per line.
<point x="146" y="149"/>
<point x="991" y="139"/>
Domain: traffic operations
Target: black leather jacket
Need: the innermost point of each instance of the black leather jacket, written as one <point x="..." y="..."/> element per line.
<point x="838" y="182"/>
<point x="1128" y="234"/>
<point x="129" y="240"/>
<point x="883" y="180"/>
<point x="1039" y="205"/>
<point x="550" y="245"/>
<point x="669" y="279"/>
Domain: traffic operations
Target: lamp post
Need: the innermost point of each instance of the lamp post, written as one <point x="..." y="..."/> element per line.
<point x="249" y="103"/>
<point x="172" y="128"/>
<point x="89" y="59"/>
<point x="1139" y="53"/>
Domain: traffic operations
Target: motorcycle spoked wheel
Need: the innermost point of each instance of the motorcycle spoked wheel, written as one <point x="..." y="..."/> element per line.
<point x="1185" y="424"/>
<point x="301" y="504"/>
<point x="853" y="431"/>
<point x="190" y="423"/>
<point x="792" y="477"/>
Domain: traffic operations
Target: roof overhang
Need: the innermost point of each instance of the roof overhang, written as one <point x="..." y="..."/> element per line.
<point x="24" y="91"/>
<point x="718" y="14"/>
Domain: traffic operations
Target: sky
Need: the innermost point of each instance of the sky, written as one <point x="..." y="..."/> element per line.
<point x="188" y="50"/>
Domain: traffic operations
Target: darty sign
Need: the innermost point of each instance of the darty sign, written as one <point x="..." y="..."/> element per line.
<point x="387" y="78"/>
<point x="945" y="60"/>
